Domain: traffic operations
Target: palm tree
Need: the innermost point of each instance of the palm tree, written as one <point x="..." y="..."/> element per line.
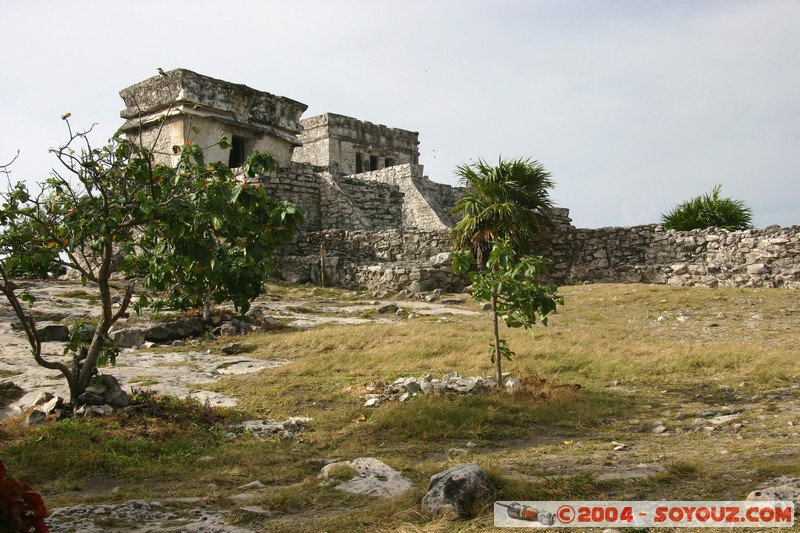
<point x="508" y="201"/>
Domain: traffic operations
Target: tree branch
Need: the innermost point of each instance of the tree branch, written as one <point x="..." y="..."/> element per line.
<point x="29" y="325"/>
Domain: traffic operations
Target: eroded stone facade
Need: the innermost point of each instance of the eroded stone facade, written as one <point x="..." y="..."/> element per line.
<point x="713" y="257"/>
<point x="181" y="105"/>
<point x="347" y="145"/>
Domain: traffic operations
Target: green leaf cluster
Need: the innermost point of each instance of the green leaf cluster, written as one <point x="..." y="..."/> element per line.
<point x="707" y="211"/>
<point x="508" y="201"/>
<point x="511" y="284"/>
<point x="218" y="242"/>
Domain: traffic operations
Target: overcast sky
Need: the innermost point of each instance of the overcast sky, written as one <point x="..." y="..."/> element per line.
<point x="632" y="105"/>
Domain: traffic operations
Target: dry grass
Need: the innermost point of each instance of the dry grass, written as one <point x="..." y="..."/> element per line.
<point x="640" y="355"/>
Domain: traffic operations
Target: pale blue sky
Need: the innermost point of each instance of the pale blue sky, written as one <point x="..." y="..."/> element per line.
<point x="633" y="105"/>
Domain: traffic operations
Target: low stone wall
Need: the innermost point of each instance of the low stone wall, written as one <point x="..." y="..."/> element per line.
<point x="371" y="246"/>
<point x="414" y="276"/>
<point x="378" y="260"/>
<point x="394" y="260"/>
<point x="768" y="257"/>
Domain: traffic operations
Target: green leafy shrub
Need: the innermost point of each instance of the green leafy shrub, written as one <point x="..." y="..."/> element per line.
<point x="708" y="211"/>
<point x="194" y="232"/>
<point x="39" y="264"/>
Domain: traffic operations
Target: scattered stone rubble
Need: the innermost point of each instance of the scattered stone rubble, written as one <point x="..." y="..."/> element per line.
<point x="149" y="334"/>
<point x="141" y="517"/>
<point x="403" y="389"/>
<point x="100" y="399"/>
<point x="264" y="429"/>
<point x="727" y="418"/>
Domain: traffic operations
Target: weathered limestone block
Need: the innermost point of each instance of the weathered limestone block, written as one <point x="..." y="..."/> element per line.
<point x="459" y="490"/>
<point x="373" y="478"/>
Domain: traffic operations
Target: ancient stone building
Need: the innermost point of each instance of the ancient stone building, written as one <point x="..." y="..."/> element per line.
<point x="349" y="146"/>
<point x="373" y="219"/>
<point x="182" y="105"/>
<point x="360" y="184"/>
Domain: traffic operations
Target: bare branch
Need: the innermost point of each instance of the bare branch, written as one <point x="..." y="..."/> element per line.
<point x="4" y="168"/>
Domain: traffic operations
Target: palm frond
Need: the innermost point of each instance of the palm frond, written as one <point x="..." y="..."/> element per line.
<point x="509" y="200"/>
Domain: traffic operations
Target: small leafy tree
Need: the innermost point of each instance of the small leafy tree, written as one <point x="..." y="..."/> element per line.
<point x="511" y="285"/>
<point x="115" y="207"/>
<point x="224" y="251"/>
<point x="707" y="211"/>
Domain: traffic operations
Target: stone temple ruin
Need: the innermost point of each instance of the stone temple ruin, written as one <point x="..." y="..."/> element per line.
<point x="373" y="219"/>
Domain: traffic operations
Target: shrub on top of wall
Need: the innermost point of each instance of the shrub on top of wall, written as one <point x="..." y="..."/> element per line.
<point x="707" y="211"/>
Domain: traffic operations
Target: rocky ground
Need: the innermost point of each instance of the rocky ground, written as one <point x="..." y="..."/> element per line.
<point x="667" y="425"/>
<point x="177" y="367"/>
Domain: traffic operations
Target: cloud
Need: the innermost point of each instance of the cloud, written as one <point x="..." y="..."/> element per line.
<point x="633" y="105"/>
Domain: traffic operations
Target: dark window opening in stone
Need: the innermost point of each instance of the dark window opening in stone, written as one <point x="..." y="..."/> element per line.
<point x="373" y="162"/>
<point x="414" y="159"/>
<point x="389" y="162"/>
<point x="359" y="164"/>
<point x="236" y="159"/>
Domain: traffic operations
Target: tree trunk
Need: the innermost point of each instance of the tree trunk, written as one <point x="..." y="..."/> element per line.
<point x="107" y="320"/>
<point x="497" y="354"/>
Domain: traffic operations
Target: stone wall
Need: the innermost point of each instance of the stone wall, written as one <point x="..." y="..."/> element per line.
<point x="378" y="260"/>
<point x="768" y="257"/>
<point x="413" y="276"/>
<point x="420" y="208"/>
<point x="444" y="195"/>
<point x="372" y="246"/>
<point x="345" y="203"/>
<point x="416" y="260"/>
<point x="380" y="203"/>
<point x="299" y="184"/>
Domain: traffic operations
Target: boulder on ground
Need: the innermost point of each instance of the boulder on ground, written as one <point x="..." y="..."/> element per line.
<point x="175" y="330"/>
<point x="781" y="489"/>
<point x="37" y="416"/>
<point x="128" y="337"/>
<point x="387" y="308"/>
<point x="53" y="333"/>
<point x="460" y="490"/>
<point x="113" y="394"/>
<point x="373" y="478"/>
